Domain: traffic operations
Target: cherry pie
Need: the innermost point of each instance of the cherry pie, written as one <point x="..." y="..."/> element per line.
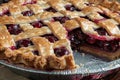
<point x="44" y="33"/>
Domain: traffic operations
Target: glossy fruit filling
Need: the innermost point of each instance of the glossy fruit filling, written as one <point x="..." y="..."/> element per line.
<point x="35" y="52"/>
<point x="51" y="38"/>
<point x="7" y="12"/>
<point x="28" y="13"/>
<point x="50" y="9"/>
<point x="59" y="52"/>
<point x="61" y="19"/>
<point x="77" y="38"/>
<point x="102" y="32"/>
<point x="104" y="15"/>
<point x="14" y="29"/>
<point x="23" y="43"/>
<point x="71" y="8"/>
<point x="37" y="24"/>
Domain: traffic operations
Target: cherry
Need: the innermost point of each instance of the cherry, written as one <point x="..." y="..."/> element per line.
<point x="27" y="13"/>
<point x="51" y="37"/>
<point x="50" y="9"/>
<point x="14" y="29"/>
<point x="23" y="43"/>
<point x="7" y="12"/>
<point x="76" y="36"/>
<point x="102" y="31"/>
<point x="110" y="46"/>
<point x="61" y="51"/>
<point x="71" y="8"/>
<point x="104" y="15"/>
<point x="91" y="40"/>
<point x="37" y="24"/>
<point x="36" y="52"/>
<point x="61" y="19"/>
<point x="13" y="47"/>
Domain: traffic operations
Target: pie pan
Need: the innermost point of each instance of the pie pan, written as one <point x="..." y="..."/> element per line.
<point x="89" y="65"/>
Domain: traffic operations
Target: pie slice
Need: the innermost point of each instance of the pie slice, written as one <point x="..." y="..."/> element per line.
<point x="43" y="34"/>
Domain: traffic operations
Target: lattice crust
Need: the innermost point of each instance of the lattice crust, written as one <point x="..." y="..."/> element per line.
<point x="37" y="19"/>
<point x="5" y="38"/>
<point x="46" y="55"/>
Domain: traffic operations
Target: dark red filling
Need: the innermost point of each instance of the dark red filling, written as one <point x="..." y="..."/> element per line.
<point x="119" y="27"/>
<point x="23" y="43"/>
<point x="50" y="9"/>
<point x="7" y="12"/>
<point x="102" y="31"/>
<point x="71" y="8"/>
<point x="34" y="1"/>
<point x="104" y="15"/>
<point x="59" y="52"/>
<point x="36" y="52"/>
<point x="13" y="48"/>
<point x="37" y="24"/>
<point x="14" y="29"/>
<point x="28" y="13"/>
<point x="51" y="37"/>
<point x="61" y="19"/>
<point x="78" y="38"/>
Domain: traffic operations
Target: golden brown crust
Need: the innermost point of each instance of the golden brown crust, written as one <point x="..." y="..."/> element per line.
<point x="71" y="24"/>
<point x="73" y="14"/>
<point x="65" y="62"/>
<point x="44" y="47"/>
<point x="111" y="27"/>
<point x="5" y="38"/>
<point x="58" y="30"/>
<point x="46" y="59"/>
<point x="87" y="26"/>
<point x="80" y="4"/>
<point x="25" y="55"/>
<point x="101" y="53"/>
<point x="33" y="33"/>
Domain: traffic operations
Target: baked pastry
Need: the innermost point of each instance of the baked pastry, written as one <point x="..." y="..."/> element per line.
<point x="44" y="33"/>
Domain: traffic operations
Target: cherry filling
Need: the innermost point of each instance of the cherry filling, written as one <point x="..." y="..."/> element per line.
<point x="37" y="24"/>
<point x="14" y="29"/>
<point x="71" y="8"/>
<point x="51" y="38"/>
<point x="104" y="15"/>
<point x="33" y="1"/>
<point x="59" y="52"/>
<point x="102" y="31"/>
<point x="28" y="13"/>
<point x="7" y="12"/>
<point x="110" y="46"/>
<point x="119" y="27"/>
<point x="23" y="43"/>
<point x="77" y="38"/>
<point x="86" y="17"/>
<point x="13" y="48"/>
<point x="50" y="9"/>
<point x="61" y="19"/>
<point x="35" y="52"/>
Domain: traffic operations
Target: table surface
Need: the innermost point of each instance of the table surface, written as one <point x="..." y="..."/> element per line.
<point x="6" y="74"/>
